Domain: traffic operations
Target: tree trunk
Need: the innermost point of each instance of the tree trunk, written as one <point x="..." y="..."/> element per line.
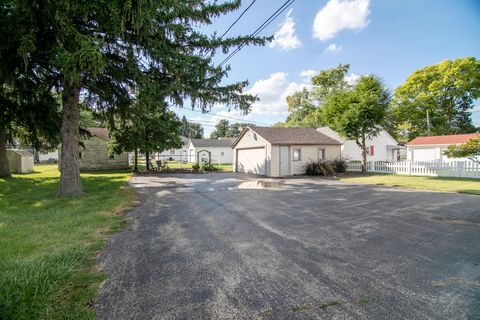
<point x="135" y="165"/>
<point x="70" y="182"/>
<point x="363" y="148"/>
<point x="4" y="169"/>
<point x="147" y="160"/>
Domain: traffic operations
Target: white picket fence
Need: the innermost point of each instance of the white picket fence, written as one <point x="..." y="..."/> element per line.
<point x="461" y="169"/>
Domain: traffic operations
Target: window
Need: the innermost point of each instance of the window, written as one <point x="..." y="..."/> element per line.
<point x="297" y="155"/>
<point x="371" y="151"/>
<point x="80" y="155"/>
<point x="221" y="153"/>
<point x="172" y="151"/>
<point x="321" y="154"/>
<point x="111" y="156"/>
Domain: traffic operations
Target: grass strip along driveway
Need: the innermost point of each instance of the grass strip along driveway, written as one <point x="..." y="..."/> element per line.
<point x="459" y="185"/>
<point x="48" y="243"/>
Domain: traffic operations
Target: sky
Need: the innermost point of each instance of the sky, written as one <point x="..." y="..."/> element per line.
<point x="389" y="38"/>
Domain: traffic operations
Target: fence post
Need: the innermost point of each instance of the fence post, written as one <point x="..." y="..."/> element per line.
<point x="460" y="168"/>
<point x="409" y="167"/>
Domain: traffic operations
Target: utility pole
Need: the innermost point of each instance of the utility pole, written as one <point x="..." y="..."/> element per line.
<point x="428" y="123"/>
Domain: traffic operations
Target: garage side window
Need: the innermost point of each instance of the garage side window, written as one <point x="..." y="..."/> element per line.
<point x="321" y="154"/>
<point x="297" y="154"/>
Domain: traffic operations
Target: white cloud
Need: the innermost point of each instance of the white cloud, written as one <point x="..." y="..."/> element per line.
<point x="307" y="74"/>
<point x="352" y="78"/>
<point x="332" y="48"/>
<point x="338" y="15"/>
<point x="285" y="37"/>
<point x="272" y="93"/>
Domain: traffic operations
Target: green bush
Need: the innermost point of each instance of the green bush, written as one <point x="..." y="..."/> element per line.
<point x="195" y="167"/>
<point x="320" y="168"/>
<point x="209" y="167"/>
<point x="340" y="165"/>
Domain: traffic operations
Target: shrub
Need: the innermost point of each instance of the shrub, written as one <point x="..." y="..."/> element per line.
<point x="209" y="167"/>
<point x="321" y="168"/>
<point x="195" y="167"/>
<point x="340" y="165"/>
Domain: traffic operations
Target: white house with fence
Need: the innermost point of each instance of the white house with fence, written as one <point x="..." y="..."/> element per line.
<point x="382" y="147"/>
<point x="431" y="148"/>
<point x="425" y="158"/>
<point x="210" y="150"/>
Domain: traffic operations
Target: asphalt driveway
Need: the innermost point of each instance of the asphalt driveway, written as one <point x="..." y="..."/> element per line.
<point x="226" y="246"/>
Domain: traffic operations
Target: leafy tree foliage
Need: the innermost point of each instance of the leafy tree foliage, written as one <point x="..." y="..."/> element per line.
<point x="305" y="106"/>
<point x="357" y="113"/>
<point x="100" y="49"/>
<point x="224" y="129"/>
<point x="221" y="129"/>
<point x="191" y="130"/>
<point x="446" y="91"/>
<point x="470" y="150"/>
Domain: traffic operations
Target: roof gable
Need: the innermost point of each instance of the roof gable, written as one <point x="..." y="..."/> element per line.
<point x="448" y="139"/>
<point x="291" y="136"/>
<point x="212" y="143"/>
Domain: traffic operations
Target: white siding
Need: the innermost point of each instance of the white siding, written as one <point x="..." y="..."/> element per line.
<point x="252" y="140"/>
<point x="218" y="154"/>
<point x="310" y="153"/>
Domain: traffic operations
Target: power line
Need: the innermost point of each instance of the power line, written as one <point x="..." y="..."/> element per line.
<point x="236" y="20"/>
<point x="227" y="117"/>
<point x="270" y="19"/>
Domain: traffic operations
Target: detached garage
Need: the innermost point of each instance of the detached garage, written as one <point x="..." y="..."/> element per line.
<point x="279" y="152"/>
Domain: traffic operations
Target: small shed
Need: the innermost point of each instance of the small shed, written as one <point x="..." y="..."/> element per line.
<point x="20" y="161"/>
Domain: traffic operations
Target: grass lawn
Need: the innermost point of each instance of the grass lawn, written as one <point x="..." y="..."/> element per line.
<point x="471" y="186"/>
<point x="48" y="243"/>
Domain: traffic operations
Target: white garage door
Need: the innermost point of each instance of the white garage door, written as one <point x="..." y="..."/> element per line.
<point x="424" y="154"/>
<point x="251" y="161"/>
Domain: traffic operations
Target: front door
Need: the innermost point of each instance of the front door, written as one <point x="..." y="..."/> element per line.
<point x="284" y="161"/>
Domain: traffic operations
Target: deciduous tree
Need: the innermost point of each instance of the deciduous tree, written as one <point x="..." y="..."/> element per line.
<point x="470" y="150"/>
<point x="357" y="113"/>
<point x="437" y="99"/>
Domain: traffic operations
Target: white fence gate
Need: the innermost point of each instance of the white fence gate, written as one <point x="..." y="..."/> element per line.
<point x="461" y="169"/>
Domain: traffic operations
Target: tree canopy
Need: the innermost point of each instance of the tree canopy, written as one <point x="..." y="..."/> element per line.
<point x="358" y="112"/>
<point x="305" y="106"/>
<point x="438" y="99"/>
<point x="191" y="130"/>
<point x="224" y="129"/>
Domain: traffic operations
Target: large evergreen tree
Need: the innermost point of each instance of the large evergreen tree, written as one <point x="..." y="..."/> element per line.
<point x="99" y="49"/>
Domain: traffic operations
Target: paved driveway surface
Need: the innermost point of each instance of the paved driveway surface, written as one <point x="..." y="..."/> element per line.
<point x="226" y="246"/>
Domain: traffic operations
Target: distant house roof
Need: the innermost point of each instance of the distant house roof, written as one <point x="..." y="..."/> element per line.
<point x="298" y="136"/>
<point x="450" y="139"/>
<point x="101" y="133"/>
<point x="212" y="143"/>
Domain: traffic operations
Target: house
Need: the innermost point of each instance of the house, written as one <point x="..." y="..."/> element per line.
<point x="94" y="154"/>
<point x="20" y="161"/>
<point x="179" y="154"/>
<point x="49" y="156"/>
<point x="431" y="148"/>
<point x="210" y="150"/>
<point x="382" y="147"/>
<point x="278" y="152"/>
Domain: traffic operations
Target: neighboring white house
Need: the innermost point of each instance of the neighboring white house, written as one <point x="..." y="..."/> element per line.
<point x="383" y="147"/>
<point x="279" y="152"/>
<point x="210" y="150"/>
<point x="431" y="148"/>
<point x="180" y="154"/>
<point x="51" y="156"/>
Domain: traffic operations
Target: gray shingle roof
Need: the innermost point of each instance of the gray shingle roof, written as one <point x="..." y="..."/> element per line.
<point x="212" y="143"/>
<point x="300" y="136"/>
